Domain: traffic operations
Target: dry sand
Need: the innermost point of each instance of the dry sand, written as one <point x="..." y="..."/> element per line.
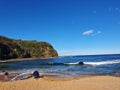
<point x="50" y="83"/>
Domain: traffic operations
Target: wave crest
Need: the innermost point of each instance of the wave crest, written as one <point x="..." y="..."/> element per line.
<point x="86" y="63"/>
<point x="103" y="62"/>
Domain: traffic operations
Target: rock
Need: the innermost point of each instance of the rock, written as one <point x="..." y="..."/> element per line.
<point x="36" y="74"/>
<point x="6" y="73"/>
<point x="81" y="63"/>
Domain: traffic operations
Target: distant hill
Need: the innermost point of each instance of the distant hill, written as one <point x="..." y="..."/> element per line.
<point x="12" y="49"/>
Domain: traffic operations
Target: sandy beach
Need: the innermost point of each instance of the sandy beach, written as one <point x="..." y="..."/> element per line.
<point x="52" y="83"/>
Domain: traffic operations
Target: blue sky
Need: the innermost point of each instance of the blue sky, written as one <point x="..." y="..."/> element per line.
<point x="73" y="27"/>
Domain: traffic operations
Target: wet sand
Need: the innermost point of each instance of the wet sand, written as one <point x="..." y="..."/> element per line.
<point x="52" y="83"/>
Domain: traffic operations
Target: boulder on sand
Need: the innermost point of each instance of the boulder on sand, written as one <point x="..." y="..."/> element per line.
<point x="6" y="73"/>
<point x="36" y="74"/>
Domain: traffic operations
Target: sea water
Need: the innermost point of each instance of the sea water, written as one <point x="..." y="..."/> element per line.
<point x="68" y="66"/>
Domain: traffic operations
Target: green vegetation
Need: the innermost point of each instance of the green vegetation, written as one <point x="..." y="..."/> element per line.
<point x="11" y="48"/>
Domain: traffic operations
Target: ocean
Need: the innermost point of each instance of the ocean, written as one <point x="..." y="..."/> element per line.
<point x="68" y="66"/>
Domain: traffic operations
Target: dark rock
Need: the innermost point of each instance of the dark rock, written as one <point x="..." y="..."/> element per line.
<point x="6" y="73"/>
<point x="36" y="74"/>
<point x="81" y="63"/>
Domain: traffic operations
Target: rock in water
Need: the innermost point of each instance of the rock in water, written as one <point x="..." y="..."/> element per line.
<point x="36" y="74"/>
<point x="81" y="63"/>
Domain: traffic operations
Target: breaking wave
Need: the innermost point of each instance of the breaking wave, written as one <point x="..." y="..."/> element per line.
<point x="103" y="62"/>
<point x="87" y="63"/>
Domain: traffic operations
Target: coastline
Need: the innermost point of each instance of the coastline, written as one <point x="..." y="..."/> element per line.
<point x="22" y="59"/>
<point x="60" y="81"/>
<point x="53" y="83"/>
<point x="35" y="58"/>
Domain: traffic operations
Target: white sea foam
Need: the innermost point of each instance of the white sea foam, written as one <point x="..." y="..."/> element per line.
<point x="21" y="76"/>
<point x="103" y="62"/>
<point x="72" y="63"/>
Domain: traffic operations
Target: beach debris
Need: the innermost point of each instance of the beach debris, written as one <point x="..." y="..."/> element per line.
<point x="36" y="74"/>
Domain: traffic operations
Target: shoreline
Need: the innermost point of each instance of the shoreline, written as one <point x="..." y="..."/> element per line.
<point x="20" y="76"/>
<point x="34" y="58"/>
<point x="16" y="76"/>
<point x="52" y="83"/>
<point x="23" y="59"/>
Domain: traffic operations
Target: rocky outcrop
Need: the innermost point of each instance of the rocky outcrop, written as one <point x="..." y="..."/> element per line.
<point x="11" y="48"/>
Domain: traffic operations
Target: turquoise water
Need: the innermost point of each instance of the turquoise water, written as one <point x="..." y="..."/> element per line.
<point x="68" y="66"/>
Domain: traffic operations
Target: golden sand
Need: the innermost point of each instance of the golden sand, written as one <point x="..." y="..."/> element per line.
<point x="50" y="83"/>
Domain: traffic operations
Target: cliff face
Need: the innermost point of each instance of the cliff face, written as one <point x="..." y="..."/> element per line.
<point x="11" y="48"/>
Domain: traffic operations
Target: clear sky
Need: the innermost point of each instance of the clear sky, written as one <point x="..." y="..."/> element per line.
<point x="73" y="27"/>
